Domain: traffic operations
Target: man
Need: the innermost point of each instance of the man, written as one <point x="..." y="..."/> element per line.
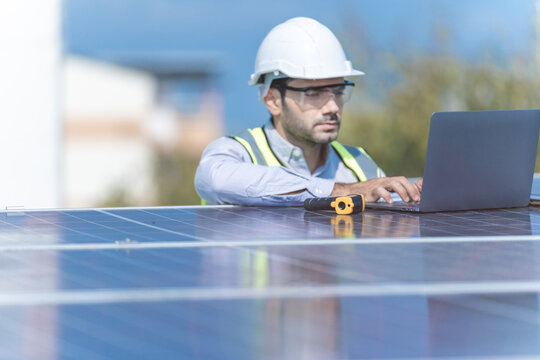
<point x="301" y="70"/>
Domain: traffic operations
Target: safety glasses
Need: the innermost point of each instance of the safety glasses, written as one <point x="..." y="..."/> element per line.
<point x="317" y="96"/>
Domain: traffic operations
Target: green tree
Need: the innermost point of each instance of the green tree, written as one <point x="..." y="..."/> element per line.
<point x="173" y="178"/>
<point x="395" y="128"/>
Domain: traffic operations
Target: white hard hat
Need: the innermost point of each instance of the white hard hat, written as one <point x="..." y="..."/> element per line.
<point x="300" y="48"/>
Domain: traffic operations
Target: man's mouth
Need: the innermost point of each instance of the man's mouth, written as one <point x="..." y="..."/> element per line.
<point x="330" y="120"/>
<point x="328" y="123"/>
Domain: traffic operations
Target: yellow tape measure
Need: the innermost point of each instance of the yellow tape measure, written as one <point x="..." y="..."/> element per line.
<point x="343" y="205"/>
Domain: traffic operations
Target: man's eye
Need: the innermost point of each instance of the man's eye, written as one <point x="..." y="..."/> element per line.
<point x="339" y="91"/>
<point x="313" y="93"/>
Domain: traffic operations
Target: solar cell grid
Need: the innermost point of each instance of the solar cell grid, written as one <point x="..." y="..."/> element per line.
<point x="239" y="282"/>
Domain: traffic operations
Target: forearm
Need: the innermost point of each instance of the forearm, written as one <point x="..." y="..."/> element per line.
<point x="226" y="177"/>
<point x="248" y="184"/>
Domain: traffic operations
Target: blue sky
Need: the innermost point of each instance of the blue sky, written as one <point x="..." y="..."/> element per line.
<point x="231" y="31"/>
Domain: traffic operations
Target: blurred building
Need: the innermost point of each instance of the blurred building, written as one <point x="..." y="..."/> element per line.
<point x="120" y="116"/>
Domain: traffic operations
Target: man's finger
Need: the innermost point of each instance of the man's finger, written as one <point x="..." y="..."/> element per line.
<point x="396" y="186"/>
<point x="380" y="192"/>
<point x="418" y="183"/>
<point x="413" y="191"/>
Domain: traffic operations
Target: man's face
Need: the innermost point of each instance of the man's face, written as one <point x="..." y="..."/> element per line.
<point x="311" y="116"/>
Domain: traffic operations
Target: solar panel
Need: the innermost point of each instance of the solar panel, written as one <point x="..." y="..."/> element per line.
<point x="222" y="282"/>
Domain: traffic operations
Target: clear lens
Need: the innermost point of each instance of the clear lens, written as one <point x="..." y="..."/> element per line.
<point x="317" y="97"/>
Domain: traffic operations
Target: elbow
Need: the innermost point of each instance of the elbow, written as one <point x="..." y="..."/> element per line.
<point x="207" y="185"/>
<point x="202" y="185"/>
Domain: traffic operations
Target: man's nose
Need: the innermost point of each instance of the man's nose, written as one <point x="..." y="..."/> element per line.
<point x="331" y="104"/>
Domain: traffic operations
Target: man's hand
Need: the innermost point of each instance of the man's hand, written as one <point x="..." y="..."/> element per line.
<point x="375" y="189"/>
<point x="418" y="183"/>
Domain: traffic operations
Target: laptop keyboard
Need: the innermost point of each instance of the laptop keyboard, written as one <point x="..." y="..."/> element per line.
<point x="409" y="206"/>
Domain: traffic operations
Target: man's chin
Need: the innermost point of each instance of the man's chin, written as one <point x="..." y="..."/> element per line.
<point x="326" y="138"/>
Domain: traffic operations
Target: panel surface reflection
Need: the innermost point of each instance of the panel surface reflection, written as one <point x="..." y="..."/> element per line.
<point x="229" y="283"/>
<point x="293" y="328"/>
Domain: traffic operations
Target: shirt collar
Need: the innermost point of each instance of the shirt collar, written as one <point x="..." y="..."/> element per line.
<point x="281" y="147"/>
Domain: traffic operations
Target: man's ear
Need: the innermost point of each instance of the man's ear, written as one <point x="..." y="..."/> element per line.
<point x="272" y="100"/>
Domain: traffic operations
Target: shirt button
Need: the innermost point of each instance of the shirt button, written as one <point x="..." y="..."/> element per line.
<point x="297" y="153"/>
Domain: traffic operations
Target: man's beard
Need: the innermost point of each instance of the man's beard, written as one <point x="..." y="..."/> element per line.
<point x="306" y="132"/>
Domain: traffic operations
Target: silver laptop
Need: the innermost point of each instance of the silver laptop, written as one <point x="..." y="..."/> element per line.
<point x="477" y="160"/>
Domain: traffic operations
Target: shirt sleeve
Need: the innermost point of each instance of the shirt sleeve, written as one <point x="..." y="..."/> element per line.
<point x="226" y="175"/>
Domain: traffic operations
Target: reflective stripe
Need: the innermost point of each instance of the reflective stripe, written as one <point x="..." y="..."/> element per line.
<point x="248" y="148"/>
<point x="260" y="268"/>
<point x="264" y="148"/>
<point x="349" y="160"/>
<point x="379" y="171"/>
<point x="364" y="152"/>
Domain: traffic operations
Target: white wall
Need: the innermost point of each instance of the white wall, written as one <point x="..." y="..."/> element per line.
<point x="30" y="43"/>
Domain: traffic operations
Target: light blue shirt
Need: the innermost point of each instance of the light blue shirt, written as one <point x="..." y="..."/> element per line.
<point x="226" y="174"/>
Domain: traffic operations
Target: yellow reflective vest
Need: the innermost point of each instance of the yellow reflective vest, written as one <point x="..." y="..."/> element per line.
<point x="354" y="158"/>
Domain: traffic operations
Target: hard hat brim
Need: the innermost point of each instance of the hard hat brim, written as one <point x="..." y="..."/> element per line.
<point x="256" y="78"/>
